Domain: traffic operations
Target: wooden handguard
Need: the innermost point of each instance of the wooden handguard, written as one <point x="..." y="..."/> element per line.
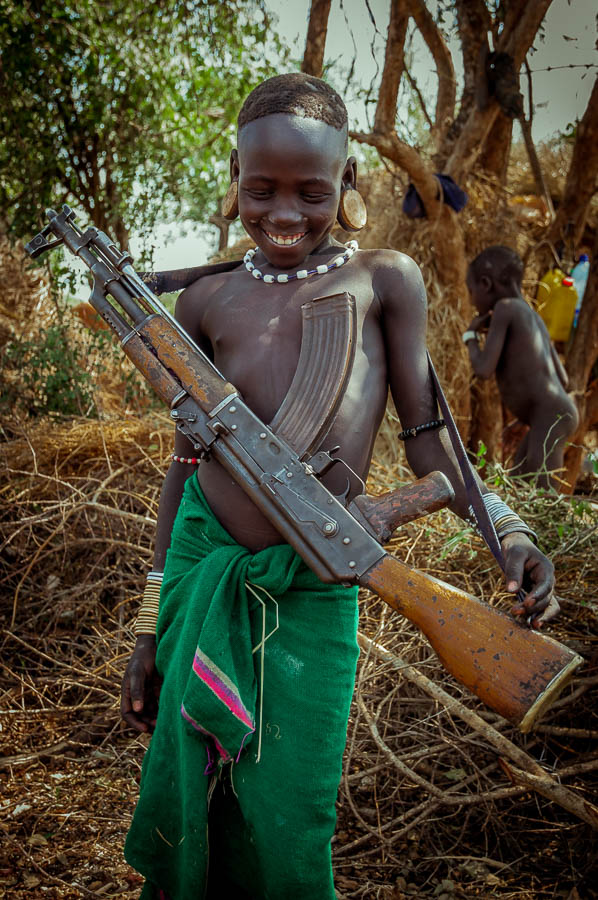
<point x="518" y="672"/>
<point x="151" y="368"/>
<point x="204" y="384"/>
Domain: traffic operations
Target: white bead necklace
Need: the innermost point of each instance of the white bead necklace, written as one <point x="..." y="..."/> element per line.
<point x="336" y="263"/>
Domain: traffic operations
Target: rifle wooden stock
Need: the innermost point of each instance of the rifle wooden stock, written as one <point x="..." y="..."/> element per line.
<point x="516" y="671"/>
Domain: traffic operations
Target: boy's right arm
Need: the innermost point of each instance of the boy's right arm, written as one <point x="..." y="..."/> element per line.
<point x="141" y="683"/>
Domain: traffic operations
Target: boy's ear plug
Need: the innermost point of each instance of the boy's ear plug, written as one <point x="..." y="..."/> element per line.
<point x="352" y="213"/>
<point x="230" y="202"/>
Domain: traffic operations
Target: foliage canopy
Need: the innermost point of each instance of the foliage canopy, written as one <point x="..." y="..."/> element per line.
<point x="122" y="108"/>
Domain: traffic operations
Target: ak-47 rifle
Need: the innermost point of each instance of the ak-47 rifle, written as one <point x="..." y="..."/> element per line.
<point x="515" y="671"/>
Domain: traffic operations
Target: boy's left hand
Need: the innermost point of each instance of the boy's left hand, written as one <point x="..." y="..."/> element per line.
<point x="527" y="567"/>
<point x="479" y="323"/>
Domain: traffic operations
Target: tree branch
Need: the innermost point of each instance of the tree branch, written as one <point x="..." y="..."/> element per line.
<point x="313" y="57"/>
<point x="521" y="768"/>
<point x="386" y="109"/>
<point x="474" y="23"/>
<point x="415" y="88"/>
<point x="389" y="144"/>
<point x="447" y="85"/>
<point x="522" y="23"/>
<point x="581" y="178"/>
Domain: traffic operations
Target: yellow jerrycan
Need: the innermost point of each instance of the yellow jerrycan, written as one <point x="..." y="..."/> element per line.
<point x="556" y="299"/>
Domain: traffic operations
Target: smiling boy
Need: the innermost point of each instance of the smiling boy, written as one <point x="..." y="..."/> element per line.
<point x="258" y="819"/>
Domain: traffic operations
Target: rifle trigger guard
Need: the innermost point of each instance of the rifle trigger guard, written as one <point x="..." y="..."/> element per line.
<point x="202" y="434"/>
<point x="322" y="462"/>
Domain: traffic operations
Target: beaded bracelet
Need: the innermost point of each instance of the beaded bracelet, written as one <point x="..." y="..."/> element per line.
<point x="503" y="518"/>
<point x="189" y="460"/>
<point x="417" y="429"/>
<point x="147" y="616"/>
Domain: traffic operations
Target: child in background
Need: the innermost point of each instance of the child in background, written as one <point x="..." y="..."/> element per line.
<point x="518" y="350"/>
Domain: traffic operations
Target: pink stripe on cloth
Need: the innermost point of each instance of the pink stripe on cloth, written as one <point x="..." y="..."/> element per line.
<point x="223" y="753"/>
<point x="209" y="673"/>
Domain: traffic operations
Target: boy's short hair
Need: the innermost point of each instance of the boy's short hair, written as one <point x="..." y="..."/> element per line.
<point x="294" y="94"/>
<point x="502" y="263"/>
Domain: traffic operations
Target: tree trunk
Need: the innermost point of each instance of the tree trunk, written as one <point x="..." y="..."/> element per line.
<point x="582" y="356"/>
<point x="313" y="58"/>
<point x="447" y="86"/>
<point x="580" y="187"/>
<point x="494" y="156"/>
<point x="394" y="66"/>
<point x="474" y="22"/>
<point x="522" y="21"/>
<point x="534" y="162"/>
<point x="223" y="225"/>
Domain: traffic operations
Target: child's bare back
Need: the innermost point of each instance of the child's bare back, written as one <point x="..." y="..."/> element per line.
<point x="528" y="357"/>
<point x="518" y="350"/>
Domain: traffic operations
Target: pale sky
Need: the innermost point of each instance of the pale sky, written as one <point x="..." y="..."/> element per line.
<point x="560" y="96"/>
<point x="564" y="91"/>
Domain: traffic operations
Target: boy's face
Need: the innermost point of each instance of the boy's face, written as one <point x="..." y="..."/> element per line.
<point x="290" y="171"/>
<point x="480" y="292"/>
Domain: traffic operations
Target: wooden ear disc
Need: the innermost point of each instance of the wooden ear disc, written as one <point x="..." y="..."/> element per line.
<point x="352" y="212"/>
<point x="230" y="202"/>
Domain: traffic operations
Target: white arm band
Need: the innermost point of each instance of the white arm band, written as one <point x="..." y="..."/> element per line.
<point x="503" y="518"/>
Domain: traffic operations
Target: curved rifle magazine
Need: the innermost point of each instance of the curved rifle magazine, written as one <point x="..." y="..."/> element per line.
<point x="325" y="361"/>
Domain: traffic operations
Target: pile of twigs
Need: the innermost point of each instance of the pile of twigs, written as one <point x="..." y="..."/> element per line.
<point x="25" y="290"/>
<point x="439" y="796"/>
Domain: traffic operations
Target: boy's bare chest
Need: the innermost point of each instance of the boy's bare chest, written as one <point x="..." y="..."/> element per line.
<point x="249" y="321"/>
<point x="242" y="322"/>
<point x="256" y="332"/>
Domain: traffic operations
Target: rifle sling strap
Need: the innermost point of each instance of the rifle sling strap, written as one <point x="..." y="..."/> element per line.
<point x="474" y="494"/>
<point x="178" y="279"/>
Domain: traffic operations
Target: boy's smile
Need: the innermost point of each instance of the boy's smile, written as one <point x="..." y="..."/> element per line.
<point x="286" y="240"/>
<point x="290" y="171"/>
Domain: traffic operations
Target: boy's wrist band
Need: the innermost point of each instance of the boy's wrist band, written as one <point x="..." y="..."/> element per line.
<point x="427" y="426"/>
<point x="188" y="460"/>
<point x="469" y="335"/>
<point x="503" y="518"/>
<point x="147" y="618"/>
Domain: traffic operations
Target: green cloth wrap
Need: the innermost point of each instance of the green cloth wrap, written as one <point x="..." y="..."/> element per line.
<point x="271" y="826"/>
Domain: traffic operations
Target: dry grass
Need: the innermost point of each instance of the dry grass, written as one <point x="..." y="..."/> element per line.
<point x="25" y="290"/>
<point x="76" y="537"/>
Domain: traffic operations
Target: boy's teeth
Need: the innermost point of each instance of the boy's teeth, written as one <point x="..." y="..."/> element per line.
<point x="285" y="240"/>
